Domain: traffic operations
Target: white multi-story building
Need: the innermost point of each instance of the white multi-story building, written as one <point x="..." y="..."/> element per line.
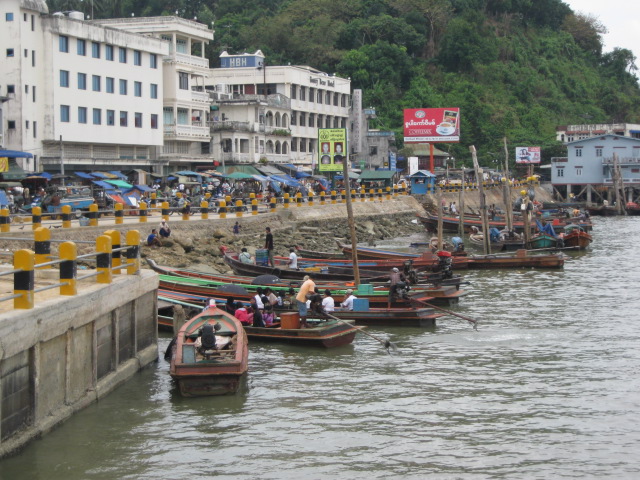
<point x="572" y="133"/>
<point x="273" y="112"/>
<point x="89" y="93"/>
<point x="185" y="71"/>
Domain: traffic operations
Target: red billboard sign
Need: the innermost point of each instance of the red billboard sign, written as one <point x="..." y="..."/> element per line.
<point x="431" y="125"/>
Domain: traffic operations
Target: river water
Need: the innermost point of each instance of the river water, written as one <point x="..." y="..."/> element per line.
<point x="548" y="387"/>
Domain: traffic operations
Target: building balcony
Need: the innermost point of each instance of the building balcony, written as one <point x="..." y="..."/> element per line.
<point x="200" y="97"/>
<point x="622" y="161"/>
<point x="236" y="157"/>
<point x="196" y="131"/>
<point x="190" y="60"/>
<point x="230" y="126"/>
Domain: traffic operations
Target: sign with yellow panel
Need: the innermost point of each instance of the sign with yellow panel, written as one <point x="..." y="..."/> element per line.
<point x="4" y="164"/>
<point x="332" y="149"/>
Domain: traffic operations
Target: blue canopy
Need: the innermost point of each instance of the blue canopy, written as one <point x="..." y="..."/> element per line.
<point x="286" y="179"/>
<point x="302" y="174"/>
<point x="187" y="173"/>
<point x="15" y="154"/>
<point x="142" y="188"/>
<point x="548" y="228"/>
<point x="100" y="175"/>
<point x="84" y="175"/>
<point x="105" y="185"/>
<point x="118" y="174"/>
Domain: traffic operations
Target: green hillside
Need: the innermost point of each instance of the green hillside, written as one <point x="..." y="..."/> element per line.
<point x="514" y="67"/>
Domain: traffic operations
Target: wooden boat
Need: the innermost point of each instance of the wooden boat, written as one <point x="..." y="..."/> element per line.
<point x="315" y="254"/>
<point x="542" y="240"/>
<point x="327" y="334"/>
<point x="576" y="237"/>
<point x="503" y="244"/>
<point x="521" y="259"/>
<point x="603" y="211"/>
<point x="210" y="371"/>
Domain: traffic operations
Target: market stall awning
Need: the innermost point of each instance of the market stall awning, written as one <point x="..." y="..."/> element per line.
<point x="377" y="174"/>
<point x="142" y="188"/>
<point x="86" y="176"/>
<point x="187" y="173"/>
<point x="120" y="175"/>
<point x="119" y="184"/>
<point x="105" y="185"/>
<point x="352" y="176"/>
<point x="13" y="170"/>
<point x="15" y="154"/>
<point x="269" y="170"/>
<point x="286" y="179"/>
<point x="239" y="176"/>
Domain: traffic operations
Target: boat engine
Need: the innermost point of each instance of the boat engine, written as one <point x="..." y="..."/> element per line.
<point x="444" y="264"/>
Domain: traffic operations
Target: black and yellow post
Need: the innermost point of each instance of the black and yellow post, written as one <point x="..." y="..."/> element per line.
<point x="395" y="189"/>
<point x="103" y="259"/>
<point x="333" y="197"/>
<point x="343" y="196"/>
<point x="363" y="194"/>
<point x="298" y="199"/>
<point x="228" y="200"/>
<point x="133" y="252"/>
<point x="322" y="197"/>
<point x="379" y="194"/>
<point x="93" y="215"/>
<point x="371" y="194"/>
<point x="388" y="189"/>
<point x="286" y="200"/>
<point x="222" y="210"/>
<point x="204" y="210"/>
<point x="185" y="211"/>
<point x="254" y="206"/>
<point x="23" y="280"/>
<point x="272" y="204"/>
<point x="116" y="257"/>
<point x="68" y="252"/>
<point x="239" y="207"/>
<point x="143" y="212"/>
<point x="154" y="199"/>
<point x="310" y="198"/>
<point x="353" y="195"/>
<point x="207" y="196"/>
<point x="42" y="245"/>
<point x="66" y="215"/>
<point x="36" y="217"/>
<point x="119" y="214"/>
<point x="5" y="224"/>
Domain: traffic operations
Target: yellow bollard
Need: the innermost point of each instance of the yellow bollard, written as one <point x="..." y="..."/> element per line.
<point x="133" y="253"/>
<point x="238" y="208"/>
<point x="204" y="210"/>
<point x="343" y="196"/>
<point x="379" y="194"/>
<point x="119" y="208"/>
<point x="164" y="211"/>
<point x="154" y="199"/>
<point x="310" y="197"/>
<point x="333" y="197"/>
<point x="68" y="268"/>
<point x="388" y="193"/>
<point x="363" y="194"/>
<point x="395" y="190"/>
<point x="5" y="226"/>
<point x="223" y="209"/>
<point x="273" y="202"/>
<point x="36" y="218"/>
<point x="66" y="216"/>
<point x="23" y="280"/>
<point x="254" y="207"/>
<point x="186" y="211"/>
<point x="228" y="200"/>
<point x="143" y="212"/>
<point x="103" y="259"/>
<point x="371" y="194"/>
<point x="286" y="200"/>
<point x="42" y="245"/>
<point x="298" y="199"/>
<point x="353" y="195"/>
<point x="322" y="197"/>
<point x="116" y="257"/>
<point x="93" y="215"/>
<point x="207" y="196"/>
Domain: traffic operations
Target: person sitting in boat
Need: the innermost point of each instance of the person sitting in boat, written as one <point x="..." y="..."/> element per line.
<point x="397" y="282"/>
<point x="245" y="315"/>
<point x="347" y="303"/>
<point x="206" y="340"/>
<point x="245" y="257"/>
<point x="328" y="303"/>
<point x="231" y="306"/>
<point x="268" y="315"/>
<point x="271" y="297"/>
<point x="258" y="299"/>
<point x="258" y="318"/>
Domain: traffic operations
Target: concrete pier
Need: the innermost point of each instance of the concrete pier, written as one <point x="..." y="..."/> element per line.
<point x="68" y="352"/>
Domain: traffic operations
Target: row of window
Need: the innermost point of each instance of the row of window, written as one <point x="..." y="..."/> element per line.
<point x="109" y="51"/>
<point x="11" y="89"/>
<point x="304" y="119"/>
<point x="9" y="18"/>
<point x="96" y="84"/>
<point x="11" y="125"/>
<point x="600" y="153"/>
<point x="319" y="96"/>
<point x="109" y="119"/>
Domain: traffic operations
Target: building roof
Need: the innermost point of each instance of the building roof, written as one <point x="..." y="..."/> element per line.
<point x="599" y="137"/>
<point x="422" y="173"/>
<point x="37" y="5"/>
<point x="377" y="174"/>
<point x="422" y="149"/>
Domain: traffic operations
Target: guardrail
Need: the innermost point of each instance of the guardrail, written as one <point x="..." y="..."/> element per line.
<point x="107" y="255"/>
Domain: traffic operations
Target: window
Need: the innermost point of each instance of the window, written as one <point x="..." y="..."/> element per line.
<point x="11" y="124"/>
<point x="335" y="99"/>
<point x="579" y="171"/>
<point x="153" y="60"/>
<point x="64" y="78"/>
<point x="63" y="44"/>
<point x="294" y="91"/>
<point x="578" y="152"/>
<point x="294" y="118"/>
<point x="33" y="58"/>
<point x="302" y="122"/>
<point x="303" y="93"/>
<point x="137" y="57"/>
<point x="123" y="119"/>
<point x="82" y="47"/>
<point x="154" y="121"/>
<point x="183" y="81"/>
<point x="35" y="129"/>
<point x="343" y="100"/>
<point x="82" y="81"/>
<point x="373" y="150"/>
<point x="122" y="53"/>
<point x="95" y="49"/>
<point x="8" y="16"/>
<point x="33" y="29"/>
<point x="82" y="114"/>
<point x="327" y="98"/>
<point x="95" y="80"/>
<point x="154" y="90"/>
<point x="110" y="85"/>
<point x="635" y="153"/>
<point x="111" y="117"/>
<point x="108" y="52"/>
<point x="26" y="125"/>
<point x="598" y="152"/>
<point x="26" y="89"/>
<point x="560" y="172"/>
<point x="303" y="145"/>
<point x="97" y="116"/>
<point x="319" y="96"/>
<point x="10" y="52"/>
<point x="312" y="94"/>
<point x="64" y="113"/>
<point x="33" y="94"/>
<point x="137" y="89"/>
<point x="11" y="89"/>
<point x="26" y="53"/>
<point x="138" y="120"/>
<point x="123" y="87"/>
<point x="311" y="120"/>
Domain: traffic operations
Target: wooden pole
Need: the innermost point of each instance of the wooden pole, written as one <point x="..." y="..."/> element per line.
<point x="352" y="226"/>
<point x="483" y="202"/>
<point x="440" y="218"/>
<point x="506" y="190"/>
<point x="618" y="185"/>
<point x="461" y="209"/>
<point x="431" y="163"/>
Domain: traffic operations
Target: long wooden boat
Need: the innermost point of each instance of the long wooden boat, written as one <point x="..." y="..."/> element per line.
<point x="576" y="238"/>
<point x="212" y="372"/>
<point x="521" y="259"/>
<point x="603" y="211"/>
<point x="327" y="334"/>
<point x="542" y="240"/>
<point x="501" y="245"/>
<point x="303" y="252"/>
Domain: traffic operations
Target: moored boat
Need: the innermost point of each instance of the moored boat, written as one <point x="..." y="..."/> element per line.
<point x="521" y="259"/>
<point x="576" y="237"/>
<point x="210" y="354"/>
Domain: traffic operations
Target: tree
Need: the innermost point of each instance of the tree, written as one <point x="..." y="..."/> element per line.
<point x="587" y="31"/>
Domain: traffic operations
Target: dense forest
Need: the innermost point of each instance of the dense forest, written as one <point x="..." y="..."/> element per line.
<point x="516" y="68"/>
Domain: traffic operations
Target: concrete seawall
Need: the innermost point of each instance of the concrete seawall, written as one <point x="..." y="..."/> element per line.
<point x="67" y="352"/>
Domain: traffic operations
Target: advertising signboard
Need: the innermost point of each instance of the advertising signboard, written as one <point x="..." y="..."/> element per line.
<point x="431" y="125"/>
<point x="392" y="161"/>
<point x="526" y="155"/>
<point x="332" y="149"/>
<point x="413" y="165"/>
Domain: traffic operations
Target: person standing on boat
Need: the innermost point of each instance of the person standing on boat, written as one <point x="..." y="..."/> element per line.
<point x="454" y="209"/>
<point x="231" y="306"/>
<point x="396" y="280"/>
<point x="258" y="319"/>
<point x="306" y="289"/>
<point x="293" y="259"/>
<point x="347" y="303"/>
<point x="328" y="303"/>
<point x="268" y="244"/>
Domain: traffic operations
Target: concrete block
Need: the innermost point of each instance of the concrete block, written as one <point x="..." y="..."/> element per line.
<point x="52" y="375"/>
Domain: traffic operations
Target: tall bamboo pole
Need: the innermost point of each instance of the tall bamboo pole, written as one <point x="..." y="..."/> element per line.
<point x="506" y="190"/>
<point x="440" y="218"/>
<point x="352" y="226"/>
<point x="461" y="208"/>
<point x="483" y="202"/>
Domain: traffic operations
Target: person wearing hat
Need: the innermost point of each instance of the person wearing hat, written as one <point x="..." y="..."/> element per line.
<point x="307" y="288"/>
<point x="347" y="303"/>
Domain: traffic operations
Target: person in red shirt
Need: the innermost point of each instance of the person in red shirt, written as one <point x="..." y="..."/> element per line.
<point x="245" y="315"/>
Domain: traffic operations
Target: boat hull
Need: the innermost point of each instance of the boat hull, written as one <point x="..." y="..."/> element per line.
<point x="327" y="334"/>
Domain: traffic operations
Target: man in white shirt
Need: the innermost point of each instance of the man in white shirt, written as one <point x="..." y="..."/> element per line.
<point x="293" y="259"/>
<point x="258" y="299"/>
<point x="328" y="304"/>
<point x="347" y="304"/>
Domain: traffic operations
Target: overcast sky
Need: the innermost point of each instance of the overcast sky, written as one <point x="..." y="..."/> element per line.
<point x="622" y="19"/>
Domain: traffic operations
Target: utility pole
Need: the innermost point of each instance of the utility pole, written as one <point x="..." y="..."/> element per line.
<point x="483" y="202"/>
<point x="352" y="226"/>
<point x="506" y="189"/>
<point x="61" y="160"/>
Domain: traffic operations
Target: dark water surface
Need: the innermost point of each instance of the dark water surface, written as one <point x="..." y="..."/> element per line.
<point x="547" y="388"/>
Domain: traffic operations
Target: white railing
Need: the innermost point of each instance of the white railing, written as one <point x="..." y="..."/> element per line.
<point x="621" y="160"/>
<point x="186" y="131"/>
<point x="200" y="96"/>
<point x="191" y="60"/>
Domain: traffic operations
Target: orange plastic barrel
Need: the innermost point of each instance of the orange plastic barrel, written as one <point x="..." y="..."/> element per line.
<point x="290" y="320"/>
